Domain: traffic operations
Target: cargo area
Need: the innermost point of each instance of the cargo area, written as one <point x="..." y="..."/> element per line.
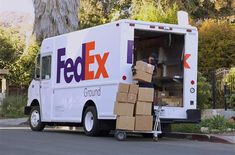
<point x="168" y="48"/>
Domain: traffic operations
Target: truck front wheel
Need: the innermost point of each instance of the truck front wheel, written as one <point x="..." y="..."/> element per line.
<point x="35" y="119"/>
<point x="91" y="122"/>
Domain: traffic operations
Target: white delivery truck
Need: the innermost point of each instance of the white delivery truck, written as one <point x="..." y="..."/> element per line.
<point x="77" y="74"/>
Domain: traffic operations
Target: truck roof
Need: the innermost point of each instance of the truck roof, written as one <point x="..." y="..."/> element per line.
<point x="136" y="22"/>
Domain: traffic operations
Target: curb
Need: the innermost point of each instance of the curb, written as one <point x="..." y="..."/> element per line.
<point x="201" y="137"/>
<point x="14" y="122"/>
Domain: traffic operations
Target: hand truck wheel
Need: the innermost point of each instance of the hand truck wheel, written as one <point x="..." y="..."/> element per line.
<point x="120" y="135"/>
<point x="155" y="139"/>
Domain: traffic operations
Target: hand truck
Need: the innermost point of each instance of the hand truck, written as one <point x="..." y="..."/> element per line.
<point x="122" y="134"/>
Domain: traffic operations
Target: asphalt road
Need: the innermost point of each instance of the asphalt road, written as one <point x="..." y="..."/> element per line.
<point x="54" y="142"/>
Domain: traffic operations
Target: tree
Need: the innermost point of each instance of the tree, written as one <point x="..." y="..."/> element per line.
<point x="96" y="12"/>
<point x="154" y="11"/>
<point x="55" y="17"/>
<point x="11" y="47"/>
<point x="22" y="70"/>
<point x="216" y="46"/>
<point x="229" y="79"/>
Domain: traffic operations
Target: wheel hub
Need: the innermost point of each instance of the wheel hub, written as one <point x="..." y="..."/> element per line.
<point x="89" y="121"/>
<point x="35" y="118"/>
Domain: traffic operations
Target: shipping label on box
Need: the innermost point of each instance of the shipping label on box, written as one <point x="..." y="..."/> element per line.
<point x="141" y="66"/>
<point x="142" y="76"/>
<point x="132" y="98"/>
<point x="125" y="123"/>
<point x="123" y="88"/>
<point x="143" y="108"/>
<point x="121" y="97"/>
<point x="124" y="109"/>
<point x="150" y="68"/>
<point x="134" y="88"/>
<point x="144" y="123"/>
<point x="145" y="94"/>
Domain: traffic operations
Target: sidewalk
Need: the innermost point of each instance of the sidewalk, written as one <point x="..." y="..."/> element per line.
<point x="215" y="138"/>
<point x="13" y="122"/>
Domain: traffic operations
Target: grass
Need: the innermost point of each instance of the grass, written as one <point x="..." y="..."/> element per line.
<point x="13" y="107"/>
<point x="187" y="128"/>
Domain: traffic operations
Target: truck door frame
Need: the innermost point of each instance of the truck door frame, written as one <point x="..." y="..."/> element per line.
<point x="46" y="88"/>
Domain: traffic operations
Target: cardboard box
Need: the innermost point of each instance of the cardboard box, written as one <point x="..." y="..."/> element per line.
<point x="143" y="108"/>
<point x="150" y="68"/>
<point x="172" y="101"/>
<point x="161" y="94"/>
<point x="134" y="89"/>
<point x="123" y="88"/>
<point x="132" y="98"/>
<point x="125" y="109"/>
<point x="146" y="94"/>
<point x="121" y="97"/>
<point x="144" y="123"/>
<point x="125" y="123"/>
<point x="177" y="101"/>
<point x="142" y="76"/>
<point x="141" y="66"/>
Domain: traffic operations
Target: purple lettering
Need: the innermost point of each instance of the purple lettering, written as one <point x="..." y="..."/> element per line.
<point x="60" y="64"/>
<point x="77" y="76"/>
<point x="68" y="68"/>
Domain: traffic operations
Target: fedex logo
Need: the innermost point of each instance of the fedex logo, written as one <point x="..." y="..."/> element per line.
<point x="70" y="67"/>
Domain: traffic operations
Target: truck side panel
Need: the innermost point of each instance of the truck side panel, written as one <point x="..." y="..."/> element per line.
<point x="87" y="68"/>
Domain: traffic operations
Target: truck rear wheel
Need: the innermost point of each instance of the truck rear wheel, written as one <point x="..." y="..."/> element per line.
<point x="35" y="119"/>
<point x="91" y="122"/>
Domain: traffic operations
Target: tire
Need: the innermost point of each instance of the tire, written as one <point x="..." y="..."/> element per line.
<point x="35" y="119"/>
<point x="91" y="122"/>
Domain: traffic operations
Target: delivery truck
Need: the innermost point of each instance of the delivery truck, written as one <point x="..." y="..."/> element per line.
<point x="77" y="74"/>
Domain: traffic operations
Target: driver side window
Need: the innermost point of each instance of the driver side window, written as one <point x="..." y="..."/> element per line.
<point x="46" y="67"/>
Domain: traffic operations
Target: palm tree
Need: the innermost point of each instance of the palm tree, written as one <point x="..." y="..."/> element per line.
<point x="55" y="17"/>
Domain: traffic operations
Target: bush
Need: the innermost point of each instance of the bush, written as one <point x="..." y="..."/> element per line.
<point x="231" y="101"/>
<point x="217" y="123"/>
<point x="13" y="106"/>
<point x="216" y="46"/>
<point x="203" y="92"/>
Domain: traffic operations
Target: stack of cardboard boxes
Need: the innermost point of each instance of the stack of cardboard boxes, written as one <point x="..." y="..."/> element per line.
<point x="133" y="107"/>
<point x="173" y="101"/>
<point x="143" y="110"/>
<point x="125" y="105"/>
<point x="144" y="71"/>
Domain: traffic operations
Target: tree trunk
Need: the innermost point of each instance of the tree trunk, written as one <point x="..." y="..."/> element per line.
<point x="55" y="17"/>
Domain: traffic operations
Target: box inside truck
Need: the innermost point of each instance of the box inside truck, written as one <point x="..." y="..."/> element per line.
<point x="168" y="48"/>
